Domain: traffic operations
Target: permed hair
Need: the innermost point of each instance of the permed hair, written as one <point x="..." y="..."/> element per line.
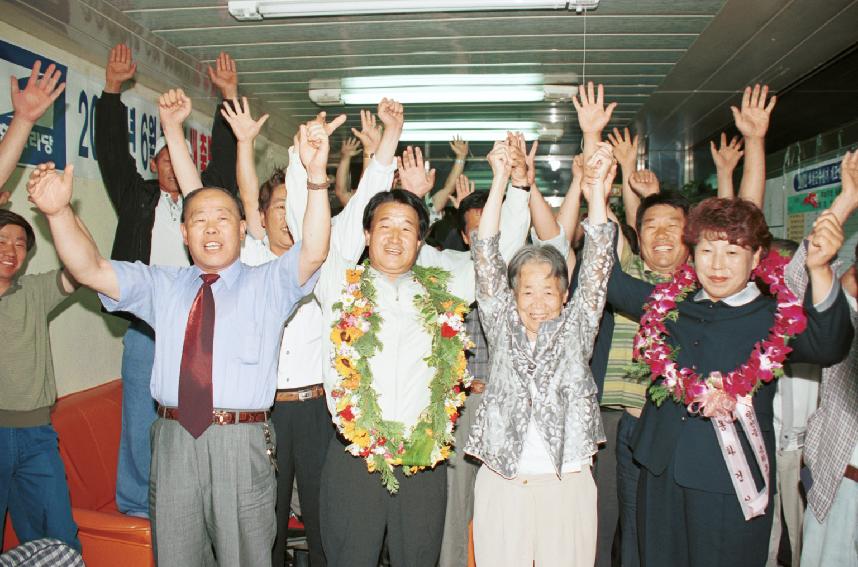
<point x="737" y="221"/>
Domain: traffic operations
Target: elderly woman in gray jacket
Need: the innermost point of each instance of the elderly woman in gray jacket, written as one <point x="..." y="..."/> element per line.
<point x="538" y="425"/>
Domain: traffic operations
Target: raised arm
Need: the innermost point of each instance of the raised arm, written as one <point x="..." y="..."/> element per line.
<point x="846" y="202"/>
<point x="51" y="192"/>
<point x="28" y="105"/>
<point x="752" y="120"/>
<point x="369" y="136"/>
<point x="593" y="115"/>
<point x="643" y="184"/>
<point x="626" y="153"/>
<point x="314" y="146"/>
<point x="342" y="189"/>
<point x="174" y="108"/>
<point x="501" y="163"/>
<point x="116" y="163"/>
<point x="440" y="198"/>
<point x="221" y="168"/>
<point x="726" y="157"/>
<point x="570" y="210"/>
<point x="246" y="129"/>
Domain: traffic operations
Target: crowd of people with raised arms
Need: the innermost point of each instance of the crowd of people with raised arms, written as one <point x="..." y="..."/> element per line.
<point x="544" y="386"/>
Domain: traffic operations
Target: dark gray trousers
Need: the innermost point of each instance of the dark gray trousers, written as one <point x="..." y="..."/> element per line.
<point x="357" y="511"/>
<point x="304" y="430"/>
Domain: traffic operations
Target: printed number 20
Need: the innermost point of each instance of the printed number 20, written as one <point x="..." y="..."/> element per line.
<point x="88" y="110"/>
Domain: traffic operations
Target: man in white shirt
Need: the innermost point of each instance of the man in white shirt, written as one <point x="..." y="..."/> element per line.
<point x="356" y="509"/>
<point x="300" y="416"/>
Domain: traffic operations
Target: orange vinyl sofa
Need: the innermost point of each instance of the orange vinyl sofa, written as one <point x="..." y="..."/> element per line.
<point x="88" y="425"/>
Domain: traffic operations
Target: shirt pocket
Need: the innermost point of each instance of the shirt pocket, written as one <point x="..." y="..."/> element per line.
<point x="250" y="346"/>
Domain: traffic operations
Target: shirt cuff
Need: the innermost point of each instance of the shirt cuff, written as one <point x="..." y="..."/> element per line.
<point x="560" y="241"/>
<point x="830" y="297"/>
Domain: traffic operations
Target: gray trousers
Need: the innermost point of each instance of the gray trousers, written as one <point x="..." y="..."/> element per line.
<point x="356" y="511"/>
<point x="211" y="499"/>
<point x="461" y="477"/>
<point x="605" y="473"/>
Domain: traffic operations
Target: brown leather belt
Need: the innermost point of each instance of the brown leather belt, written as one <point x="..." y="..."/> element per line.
<point x="222" y="417"/>
<point x="851" y="473"/>
<point x="477" y="386"/>
<point x="300" y="394"/>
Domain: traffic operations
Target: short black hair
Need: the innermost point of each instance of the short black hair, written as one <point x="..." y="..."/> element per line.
<point x="668" y="198"/>
<point x="476" y="201"/>
<point x="192" y="195"/>
<point x="8" y="217"/>
<point x="403" y="198"/>
<point x="784" y="245"/>
<point x="276" y="179"/>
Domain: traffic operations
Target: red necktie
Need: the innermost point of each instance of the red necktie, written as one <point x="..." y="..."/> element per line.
<point x="195" y="372"/>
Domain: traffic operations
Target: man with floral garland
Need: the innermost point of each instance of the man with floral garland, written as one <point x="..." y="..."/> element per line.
<point x="382" y="384"/>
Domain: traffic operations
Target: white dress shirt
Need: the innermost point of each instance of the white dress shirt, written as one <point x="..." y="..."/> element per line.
<point x="400" y="375"/>
<point x="168" y="246"/>
<point x="300" y="360"/>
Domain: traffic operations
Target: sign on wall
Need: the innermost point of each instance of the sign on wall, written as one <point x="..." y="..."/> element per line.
<point x="810" y="190"/>
<point x="66" y="133"/>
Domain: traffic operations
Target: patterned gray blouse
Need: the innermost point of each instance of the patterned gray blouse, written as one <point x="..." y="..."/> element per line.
<point x="565" y="407"/>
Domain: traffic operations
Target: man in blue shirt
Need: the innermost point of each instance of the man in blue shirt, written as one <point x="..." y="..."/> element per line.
<point x="212" y="490"/>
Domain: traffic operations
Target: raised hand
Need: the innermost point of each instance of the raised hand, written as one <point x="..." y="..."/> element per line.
<point x="391" y="114"/>
<point x="412" y="172"/>
<point x="593" y="115"/>
<point x="242" y="123"/>
<point x="578" y="167"/>
<point x="530" y="162"/>
<point x="313" y="148"/>
<point x="847" y="201"/>
<point x="224" y="76"/>
<point x="752" y="119"/>
<point x="174" y="108"/>
<point x="726" y="156"/>
<point x="120" y="68"/>
<point x="464" y="187"/>
<point x="644" y="182"/>
<point x="39" y="93"/>
<point x="49" y="190"/>
<point x="625" y="149"/>
<point x="596" y="172"/>
<point x="369" y="133"/>
<point x="500" y="160"/>
<point x="824" y="240"/>
<point x="518" y="158"/>
<point x="459" y="147"/>
<point x="350" y="148"/>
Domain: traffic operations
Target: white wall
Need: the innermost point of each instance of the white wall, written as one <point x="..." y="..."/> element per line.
<point x="87" y="345"/>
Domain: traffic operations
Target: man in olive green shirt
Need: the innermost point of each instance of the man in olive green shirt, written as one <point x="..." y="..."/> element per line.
<point x="32" y="477"/>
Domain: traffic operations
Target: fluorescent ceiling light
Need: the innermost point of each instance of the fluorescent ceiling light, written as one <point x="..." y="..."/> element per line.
<point x="461" y="79"/>
<point x="456" y="88"/>
<point x="249" y="10"/>
<point x="473" y="130"/>
<point x="418" y="95"/>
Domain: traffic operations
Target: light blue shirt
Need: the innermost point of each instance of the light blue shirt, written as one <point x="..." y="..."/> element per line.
<point x="251" y="305"/>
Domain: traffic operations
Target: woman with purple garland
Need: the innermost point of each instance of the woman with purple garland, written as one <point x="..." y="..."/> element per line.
<point x="713" y="343"/>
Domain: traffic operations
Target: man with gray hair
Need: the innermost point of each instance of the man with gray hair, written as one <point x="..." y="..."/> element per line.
<point x="148" y="230"/>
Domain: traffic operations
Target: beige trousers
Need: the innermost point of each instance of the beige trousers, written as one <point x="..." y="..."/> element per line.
<point x="536" y="520"/>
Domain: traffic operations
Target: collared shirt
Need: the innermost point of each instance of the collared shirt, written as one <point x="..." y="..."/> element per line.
<point x="251" y="304"/>
<point x="168" y="246"/>
<point x="619" y="389"/>
<point x="300" y="362"/>
<point x="400" y="375"/>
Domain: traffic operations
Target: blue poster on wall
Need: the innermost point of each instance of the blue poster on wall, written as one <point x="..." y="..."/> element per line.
<point x="47" y="140"/>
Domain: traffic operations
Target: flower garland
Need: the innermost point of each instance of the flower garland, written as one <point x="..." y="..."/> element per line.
<point x="716" y="394"/>
<point x="385" y="444"/>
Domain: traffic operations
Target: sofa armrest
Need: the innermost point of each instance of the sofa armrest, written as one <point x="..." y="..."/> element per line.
<point x="118" y="527"/>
